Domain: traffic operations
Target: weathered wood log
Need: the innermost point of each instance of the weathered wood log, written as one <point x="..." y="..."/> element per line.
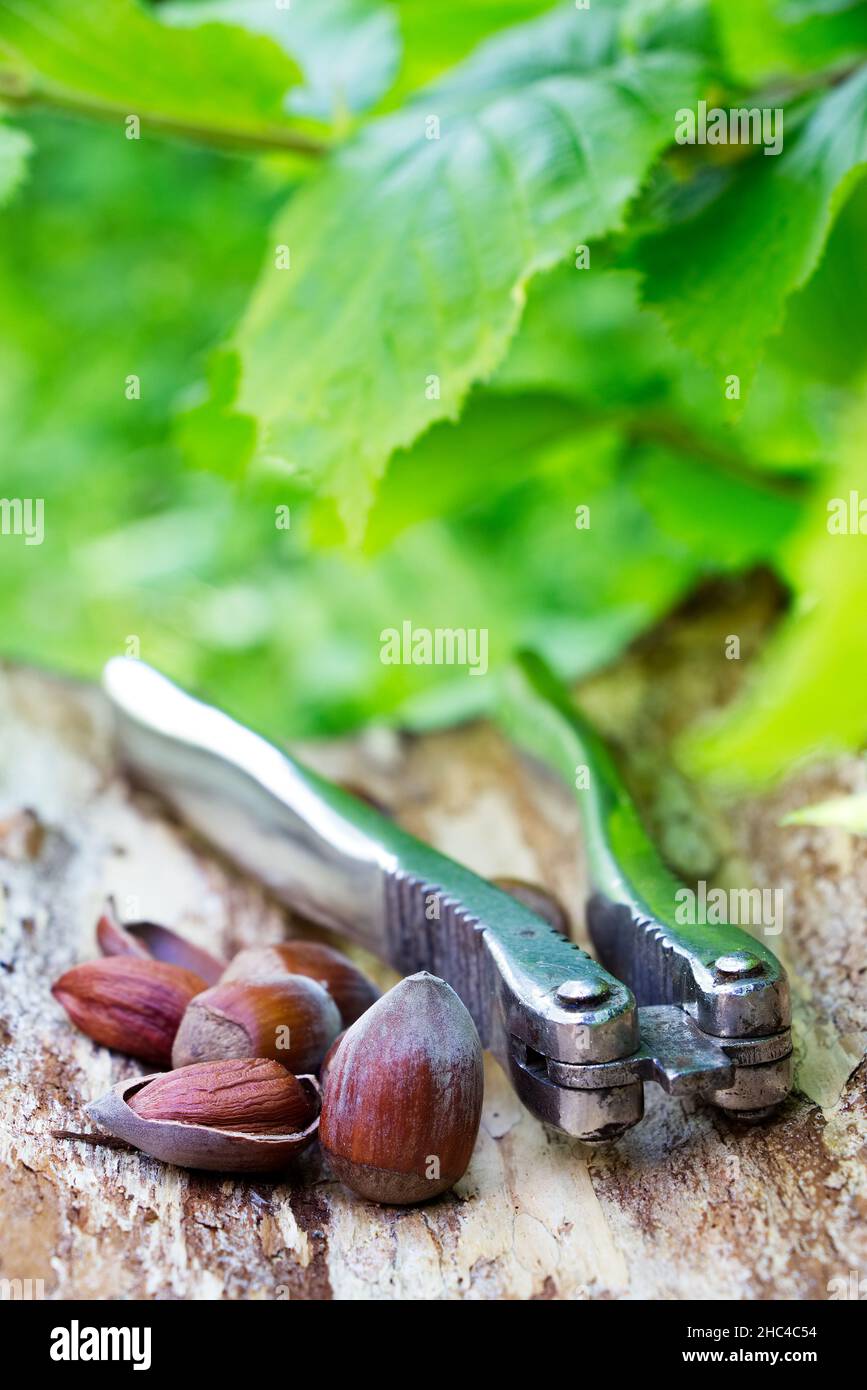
<point x="688" y="1205"/>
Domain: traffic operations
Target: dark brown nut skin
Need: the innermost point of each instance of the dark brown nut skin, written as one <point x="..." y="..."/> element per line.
<point x="292" y="1020"/>
<point x="348" y="986"/>
<point x="164" y="944"/>
<point x="132" y="1005"/>
<point x="251" y="1095"/>
<point x="150" y="941"/>
<point x="113" y="939"/>
<point x="402" y="1097"/>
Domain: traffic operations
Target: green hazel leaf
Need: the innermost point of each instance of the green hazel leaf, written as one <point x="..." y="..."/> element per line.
<point x="513" y="565"/>
<point x="15" y="148"/>
<point x="507" y="439"/>
<point x="823" y="336"/>
<point x="209" y="433"/>
<point x="349" y="50"/>
<point x="767" y="39"/>
<point x="398" y="275"/>
<point x="806" y="697"/>
<point x="585" y="336"/>
<point x="792" y="10"/>
<point x="509" y="555"/>
<point x="841" y="812"/>
<point x="670" y="24"/>
<point x="721" y="280"/>
<point x="438" y="35"/>
<point x="114" y="59"/>
<point x="729" y="521"/>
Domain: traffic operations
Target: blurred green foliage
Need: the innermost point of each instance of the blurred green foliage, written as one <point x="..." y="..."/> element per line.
<point x="262" y="389"/>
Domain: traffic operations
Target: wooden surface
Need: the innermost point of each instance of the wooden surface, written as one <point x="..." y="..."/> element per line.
<point x="687" y="1205"/>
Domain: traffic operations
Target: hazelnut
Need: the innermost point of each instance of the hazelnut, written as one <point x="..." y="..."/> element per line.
<point x="130" y="1004"/>
<point x="350" y="989"/>
<point x="250" y="1094"/>
<point x="292" y="1020"/>
<point x="233" y="1116"/>
<point x="402" y="1097"/>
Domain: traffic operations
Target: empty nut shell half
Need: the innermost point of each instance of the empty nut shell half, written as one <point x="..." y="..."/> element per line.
<point x="198" y="1146"/>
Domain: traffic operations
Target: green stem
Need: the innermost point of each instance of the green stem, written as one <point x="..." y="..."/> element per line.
<point x="14" y="92"/>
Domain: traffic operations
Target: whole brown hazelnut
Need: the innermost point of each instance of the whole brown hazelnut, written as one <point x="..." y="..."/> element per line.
<point x="402" y="1095"/>
<point x="292" y="1020"/>
<point x="348" y="986"/>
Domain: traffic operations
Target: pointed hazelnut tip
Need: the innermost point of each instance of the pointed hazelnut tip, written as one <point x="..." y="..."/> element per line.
<point x="112" y="936"/>
<point x="426" y="977"/>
